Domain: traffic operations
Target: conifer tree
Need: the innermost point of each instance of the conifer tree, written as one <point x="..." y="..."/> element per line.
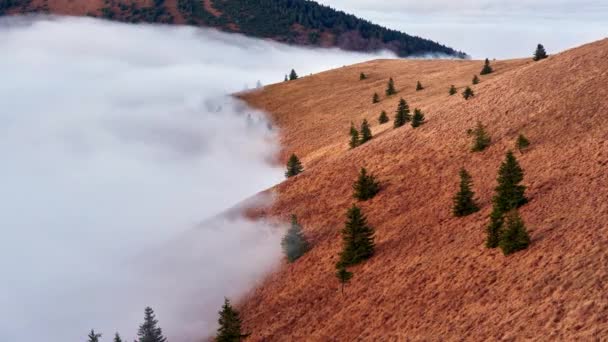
<point x="509" y="192"/>
<point x="294" y="166"/>
<point x="453" y="90"/>
<point x="468" y="93"/>
<point x="357" y="237"/>
<point x="487" y="69"/>
<point x="117" y="338"/>
<point x="390" y="88"/>
<point x="149" y="331"/>
<point x="230" y="324"/>
<point x="419" y="86"/>
<point x="522" y="143"/>
<point x="344" y="276"/>
<point x="494" y="229"/>
<point x="475" y="79"/>
<point x="403" y="114"/>
<point x="294" y="242"/>
<point x="540" y="53"/>
<point x="481" y="139"/>
<point x="354" y="136"/>
<point x="376" y="98"/>
<point x="515" y="235"/>
<point x="362" y="76"/>
<point x="93" y="336"/>
<point x="464" y="201"/>
<point x="293" y="75"/>
<point x="286" y="78"/>
<point x="366" y="132"/>
<point x="366" y="186"/>
<point x="383" y="118"/>
<point x="418" y="118"/>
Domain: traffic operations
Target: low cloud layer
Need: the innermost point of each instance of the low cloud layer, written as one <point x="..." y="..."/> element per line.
<point x="116" y="142"/>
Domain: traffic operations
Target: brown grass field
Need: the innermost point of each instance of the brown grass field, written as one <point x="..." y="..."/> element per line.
<point x="431" y="278"/>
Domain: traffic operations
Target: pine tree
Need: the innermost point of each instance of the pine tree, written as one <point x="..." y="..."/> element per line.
<point x="481" y="139"/>
<point x="148" y="331"/>
<point x="362" y="77"/>
<point x="509" y="193"/>
<point x="468" y="93"/>
<point x="344" y="276"/>
<point x="475" y="79"/>
<point x="376" y="98"/>
<point x="464" y="201"/>
<point x="403" y="114"/>
<point x="358" y="239"/>
<point x="93" y="337"/>
<point x="354" y="136"/>
<point x="294" y="242"/>
<point x="522" y="143"/>
<point x="494" y="229"/>
<point x="487" y="69"/>
<point x="453" y="90"/>
<point x="390" y="88"/>
<point x="419" y="86"/>
<point x="286" y="78"/>
<point x="366" y="132"/>
<point x="366" y="186"/>
<point x="293" y="75"/>
<point x="294" y="166"/>
<point x="515" y="235"/>
<point x="540" y="53"/>
<point x="117" y="338"/>
<point x="383" y="118"/>
<point x="418" y="118"/>
<point x="230" y="324"/>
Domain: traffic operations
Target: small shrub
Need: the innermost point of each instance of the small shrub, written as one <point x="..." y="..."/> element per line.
<point x="453" y="90"/>
<point x="468" y="93"/>
<point x="419" y="86"/>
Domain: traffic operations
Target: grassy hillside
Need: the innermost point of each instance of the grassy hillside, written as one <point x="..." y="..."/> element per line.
<point x="431" y="277"/>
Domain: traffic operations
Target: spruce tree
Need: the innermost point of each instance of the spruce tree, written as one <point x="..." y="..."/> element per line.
<point x="453" y="90"/>
<point x="419" y="86"/>
<point x="294" y="166"/>
<point x="366" y="186"/>
<point x="487" y="69"/>
<point x="93" y="336"/>
<point x="148" y="331"/>
<point x="481" y="139"/>
<point x="494" y="228"/>
<point x="354" y="136"/>
<point x="383" y="118"/>
<point x="509" y="192"/>
<point x="293" y="75"/>
<point x="286" y="78"/>
<point x="362" y="76"/>
<point x="376" y="98"/>
<point x="357" y="237"/>
<point x="117" y="338"/>
<point x="366" y="132"/>
<point x="464" y="201"/>
<point x="230" y="324"/>
<point x="418" y="118"/>
<point x="468" y="93"/>
<point x="390" y="88"/>
<point x="344" y="276"/>
<point x="522" y="143"/>
<point x="540" y="53"/>
<point x="475" y="79"/>
<point x="294" y="242"/>
<point x="515" y="235"/>
<point x="402" y="115"/>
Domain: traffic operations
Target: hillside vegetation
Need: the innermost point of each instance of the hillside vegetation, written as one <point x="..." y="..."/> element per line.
<point x="431" y="276"/>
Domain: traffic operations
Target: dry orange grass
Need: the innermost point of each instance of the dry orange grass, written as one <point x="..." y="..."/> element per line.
<point x="431" y="278"/>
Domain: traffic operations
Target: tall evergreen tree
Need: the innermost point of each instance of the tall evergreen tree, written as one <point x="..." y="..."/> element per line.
<point x="93" y="336"/>
<point x="344" y="276"/>
<point x="468" y="93"/>
<point x="366" y="132"/>
<point x="494" y="229"/>
<point x="487" y="69"/>
<point x="464" y="201"/>
<point x="475" y="80"/>
<point x="515" y="235"/>
<point x="294" y="242"/>
<point x="509" y="192"/>
<point x="402" y="115"/>
<point x="294" y="166"/>
<point x="293" y="75"/>
<point x="419" y="86"/>
<point x="418" y="118"/>
<point x="230" y="324"/>
<point x="383" y="118"/>
<point x="117" y="338"/>
<point x="362" y="76"/>
<point x="481" y="139"/>
<point x="453" y="90"/>
<point x="390" y="88"/>
<point x="366" y="186"/>
<point x="149" y="331"/>
<point x="354" y="136"/>
<point x="540" y="53"/>
<point x="376" y="98"/>
<point x="522" y="143"/>
<point x="357" y="237"/>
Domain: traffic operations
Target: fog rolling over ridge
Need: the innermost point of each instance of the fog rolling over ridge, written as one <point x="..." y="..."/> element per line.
<point x="116" y="142"/>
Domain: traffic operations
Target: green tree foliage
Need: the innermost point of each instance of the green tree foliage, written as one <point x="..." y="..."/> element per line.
<point x="419" y="86"/>
<point x="464" y="201"/>
<point x="402" y="116"/>
<point x="294" y="242"/>
<point x="383" y="118"/>
<point x="468" y="93"/>
<point x="230" y="324"/>
<point x="344" y="276"/>
<point x="362" y="76"/>
<point x="481" y="139"/>
<point x="417" y="118"/>
<point x="366" y="186"/>
<point x="475" y="80"/>
<point x="487" y="69"/>
<point x="376" y="98"/>
<point x="515" y="236"/>
<point x="293" y="75"/>
<point x="286" y="78"/>
<point x="366" y="132"/>
<point x="117" y="338"/>
<point x="494" y="228"/>
<point x="93" y="336"/>
<point x="294" y="166"/>
<point x="522" y="143"/>
<point x="149" y="331"/>
<point x="354" y="136"/>
<point x="453" y="90"/>
<point x="540" y="53"/>
<point x="357" y="237"/>
<point x="390" y="87"/>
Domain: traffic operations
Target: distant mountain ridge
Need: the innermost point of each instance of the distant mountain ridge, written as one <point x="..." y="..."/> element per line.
<point x="298" y="22"/>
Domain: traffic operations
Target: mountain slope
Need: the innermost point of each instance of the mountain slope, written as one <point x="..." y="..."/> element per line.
<point x="432" y="278"/>
<point x="299" y="22"/>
